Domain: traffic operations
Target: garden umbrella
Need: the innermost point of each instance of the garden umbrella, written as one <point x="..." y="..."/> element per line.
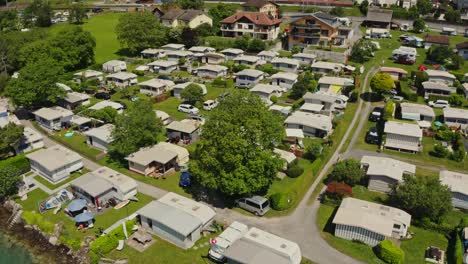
<point x="84" y="217"/>
<point x="76" y="205"/>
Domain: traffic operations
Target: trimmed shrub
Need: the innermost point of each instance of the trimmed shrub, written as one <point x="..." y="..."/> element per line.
<point x="33" y="218"/>
<point x="105" y="244"/>
<point x="389" y="252"/>
<point x="337" y="190"/>
<point x="298" y="103"/>
<point x="280" y="201"/>
<point x="389" y="110"/>
<point x="295" y="171"/>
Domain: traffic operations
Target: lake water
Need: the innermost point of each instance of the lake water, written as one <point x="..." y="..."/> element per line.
<point x="13" y="253"/>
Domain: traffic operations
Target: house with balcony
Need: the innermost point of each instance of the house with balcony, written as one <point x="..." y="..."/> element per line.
<point x="122" y="79"/>
<point x="155" y="87"/>
<point x="255" y="24"/>
<point x="318" y="28"/>
<point x="458" y="184"/>
<point x="267" y="7"/>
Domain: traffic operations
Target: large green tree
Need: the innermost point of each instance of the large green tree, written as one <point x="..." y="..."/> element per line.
<point x="136" y="128"/>
<point x="234" y="155"/>
<point x="192" y="93"/>
<point x="220" y="12"/>
<point x="38" y="13"/>
<point x="382" y="83"/>
<point x="452" y="15"/>
<point x="439" y="54"/>
<point x="419" y="25"/>
<point x="36" y="85"/>
<point x="77" y="13"/>
<point x="348" y="171"/>
<point x="139" y="30"/>
<point x="424" y="6"/>
<point x="10" y="137"/>
<point x="190" y="4"/>
<point x="9" y="179"/>
<point x="305" y="83"/>
<point x="422" y="197"/>
<point x="106" y="114"/>
<point x="362" y="51"/>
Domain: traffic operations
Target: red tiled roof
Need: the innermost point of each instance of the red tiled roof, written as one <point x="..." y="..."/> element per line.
<point x="257" y="18"/>
<point x="443" y="40"/>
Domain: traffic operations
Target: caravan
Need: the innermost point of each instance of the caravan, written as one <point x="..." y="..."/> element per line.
<point x="377" y="33"/>
<point x="218" y="245"/>
<point x="408" y="52"/>
<point x="448" y="31"/>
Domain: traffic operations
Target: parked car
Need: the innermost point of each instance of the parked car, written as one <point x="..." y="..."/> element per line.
<point x="397" y="98"/>
<point x="102" y="95"/>
<point x="439" y="103"/>
<point x="186" y="108"/>
<point x="210" y="104"/>
<point x="405" y="60"/>
<point x="376" y="114"/>
<point x="257" y="205"/>
<point x="197" y="117"/>
<point x="184" y="179"/>
<point x="372" y="136"/>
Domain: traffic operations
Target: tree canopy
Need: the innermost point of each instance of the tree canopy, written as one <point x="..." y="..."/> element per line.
<point x="10" y="137"/>
<point x="36" y="85"/>
<point x="362" y="51"/>
<point x="106" y="114"/>
<point x="136" y="128"/>
<point x="419" y="25"/>
<point x="9" y="179"/>
<point x="439" y="54"/>
<point x="305" y="82"/>
<point x="382" y="83"/>
<point x="422" y="197"/>
<point x="424" y="6"/>
<point x="192" y="93"/>
<point x="77" y="13"/>
<point x="220" y="12"/>
<point x="38" y="13"/>
<point x="234" y="155"/>
<point x="139" y="30"/>
<point x="190" y="4"/>
<point x="348" y="171"/>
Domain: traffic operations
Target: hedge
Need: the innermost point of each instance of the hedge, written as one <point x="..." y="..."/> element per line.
<point x="389" y="110"/>
<point x="389" y="252"/>
<point x="20" y="162"/>
<point x="295" y="171"/>
<point x="280" y="201"/>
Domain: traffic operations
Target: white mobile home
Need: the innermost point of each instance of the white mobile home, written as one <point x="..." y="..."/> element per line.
<point x="417" y="112"/>
<point x="176" y="219"/>
<point x="247" y="60"/>
<point x="122" y="79"/>
<point x="458" y="184"/>
<point x="402" y="136"/>
<point x="437" y="88"/>
<point x="173" y="47"/>
<point x="266" y="91"/>
<point x="53" y="118"/>
<point x="312" y="125"/>
<point x="155" y="87"/>
<point x="232" y="53"/>
<point x="286" y="64"/>
<point x="330" y="102"/>
<point x="333" y="85"/>
<point x="440" y="76"/>
<point x="285" y="80"/>
<point x="248" y="77"/>
<point x="164" y="67"/>
<point x="100" y="137"/>
<point x="201" y="49"/>
<point x="114" y="66"/>
<point x="30" y="140"/>
<point x="75" y="99"/>
<point x="267" y="55"/>
<point x="212" y="58"/>
<point x="385" y="172"/>
<point x="369" y="222"/>
<point x="396" y="73"/>
<point x="234" y="232"/>
<point x="456" y="117"/>
<point x="177" y="55"/>
<point x="153" y="53"/>
<point x="87" y="75"/>
<point x="103" y="104"/>
<point x="211" y="71"/>
<point x="55" y="163"/>
<point x="327" y="67"/>
<point x="305" y="58"/>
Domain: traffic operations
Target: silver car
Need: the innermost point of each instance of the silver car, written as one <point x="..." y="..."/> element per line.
<point x="257" y="205"/>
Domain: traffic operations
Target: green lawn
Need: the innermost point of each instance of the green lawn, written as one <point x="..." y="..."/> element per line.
<point x="70" y="235"/>
<point x="51" y="186"/>
<point x="170" y="107"/>
<point x="77" y="142"/>
<point x="102" y="27"/>
<point x="361" y="192"/>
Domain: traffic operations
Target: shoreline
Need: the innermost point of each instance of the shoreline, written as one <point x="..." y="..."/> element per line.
<point x="34" y="241"/>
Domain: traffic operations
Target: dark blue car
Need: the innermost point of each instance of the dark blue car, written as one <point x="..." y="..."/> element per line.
<point x="184" y="179"/>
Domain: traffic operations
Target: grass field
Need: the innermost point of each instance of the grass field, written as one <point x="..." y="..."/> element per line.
<point x="51" y="186"/>
<point x="78" y="142"/>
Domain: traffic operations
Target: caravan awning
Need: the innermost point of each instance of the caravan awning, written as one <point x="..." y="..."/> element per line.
<point x="293" y="132"/>
<point x="411" y="116"/>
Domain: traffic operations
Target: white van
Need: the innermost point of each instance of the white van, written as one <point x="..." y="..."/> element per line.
<point x="218" y="245"/>
<point x="209" y="105"/>
<point x="341" y="102"/>
<point x="439" y="103"/>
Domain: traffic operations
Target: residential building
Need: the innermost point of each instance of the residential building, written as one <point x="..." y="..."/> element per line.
<point x="286" y="64"/>
<point x="456" y="117"/>
<point x="384" y="172"/>
<point x="285" y="80"/>
<point x="176" y="55"/>
<point x="462" y="49"/>
<point x="267" y="55"/>
<point x="212" y="71"/>
<point x="437" y="88"/>
<point x="402" y="136"/>
<point x="100" y="137"/>
<point x="268" y="7"/>
<point x="212" y="58"/>
<point x="248" y="77"/>
<point x="176" y="219"/>
<point x="255" y="24"/>
<point x="396" y="73"/>
<point x="247" y="60"/>
<point x="53" y="118"/>
<point x="305" y="58"/>
<point x="323" y="102"/>
<point x="153" y="54"/>
<point x="114" y="66"/>
<point x="370" y="222"/>
<point x="378" y="18"/>
<point x="87" y="75"/>
<point x="333" y="85"/>
<point x="186" y="130"/>
<point x="162" y="66"/>
<point x="327" y="67"/>
<point x="202" y="50"/>
<point x="440" y="76"/>
<point x="266" y="91"/>
<point x="122" y="79"/>
<point x="458" y="184"/>
<point x="232" y="53"/>
<point x="99" y="186"/>
<point x="55" y="163"/>
<point x="158" y="159"/>
<point x="185" y="18"/>
<point x="155" y="87"/>
<point x="75" y="99"/>
<point x="103" y="104"/>
<point x="417" y="112"/>
<point x="436" y="40"/>
<point x="258" y="246"/>
<point x="311" y="108"/>
<point x="163" y="116"/>
<point x="30" y="140"/>
<point x="173" y="47"/>
<point x="178" y="88"/>
<point x="317" y="28"/>
<point x="312" y="125"/>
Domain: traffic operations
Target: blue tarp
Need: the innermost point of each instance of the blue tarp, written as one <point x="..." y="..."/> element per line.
<point x="84" y="217"/>
<point x="76" y="205"/>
